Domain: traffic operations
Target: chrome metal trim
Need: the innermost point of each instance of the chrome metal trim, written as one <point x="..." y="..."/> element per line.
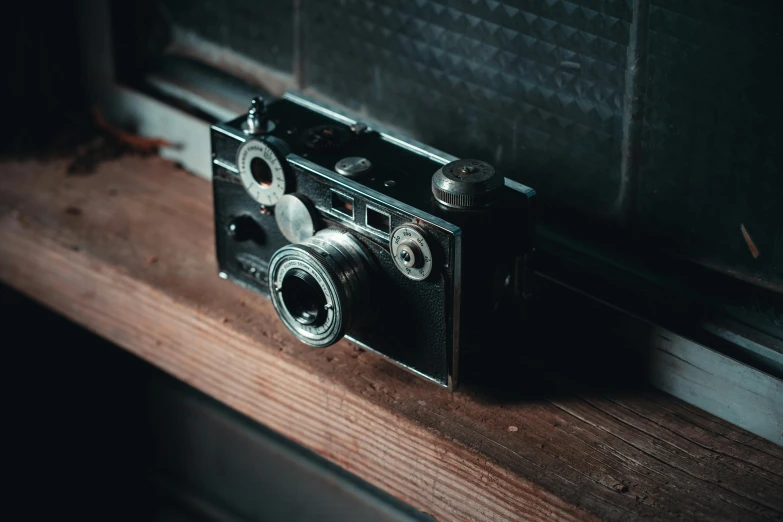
<point x="519" y="187"/>
<point x="371" y="194"/>
<point x="319" y="107"/>
<point x="401" y="365"/>
<point x="380" y="236"/>
<point x="220" y="163"/>
<point x="387" y="135"/>
<point x="230" y="132"/>
<point x="417" y="147"/>
<point x="457" y="296"/>
<point x="351" y="223"/>
<point x="342" y="218"/>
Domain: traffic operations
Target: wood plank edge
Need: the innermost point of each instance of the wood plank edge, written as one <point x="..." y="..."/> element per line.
<point x="435" y="474"/>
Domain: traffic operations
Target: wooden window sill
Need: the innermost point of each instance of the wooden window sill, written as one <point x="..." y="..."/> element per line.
<point x="127" y="251"/>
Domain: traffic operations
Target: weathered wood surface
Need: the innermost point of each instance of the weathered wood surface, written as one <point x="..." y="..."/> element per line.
<point x="128" y="252"/>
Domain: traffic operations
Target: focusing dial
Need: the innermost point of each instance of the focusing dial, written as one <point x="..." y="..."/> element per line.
<point x="466" y="183"/>
<point x="322" y="288"/>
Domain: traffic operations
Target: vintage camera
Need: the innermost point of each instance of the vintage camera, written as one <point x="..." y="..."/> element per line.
<point x="356" y="232"/>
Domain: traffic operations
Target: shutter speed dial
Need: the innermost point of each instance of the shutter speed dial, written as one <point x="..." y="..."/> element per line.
<point x="411" y="252"/>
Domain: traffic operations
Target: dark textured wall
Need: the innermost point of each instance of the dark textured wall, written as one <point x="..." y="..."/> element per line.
<point x="536" y="88"/>
<point x="42" y="78"/>
<point x="543" y="89"/>
<point x="712" y="147"/>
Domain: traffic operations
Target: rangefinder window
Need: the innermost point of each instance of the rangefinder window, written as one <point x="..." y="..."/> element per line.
<point x="342" y="204"/>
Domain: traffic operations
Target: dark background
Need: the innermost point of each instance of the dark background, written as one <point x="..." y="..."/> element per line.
<point x="543" y="89"/>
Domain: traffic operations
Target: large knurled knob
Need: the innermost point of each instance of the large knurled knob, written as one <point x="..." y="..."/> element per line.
<point x="466" y="183"/>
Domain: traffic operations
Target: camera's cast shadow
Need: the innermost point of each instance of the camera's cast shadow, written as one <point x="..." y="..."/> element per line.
<point x="569" y="344"/>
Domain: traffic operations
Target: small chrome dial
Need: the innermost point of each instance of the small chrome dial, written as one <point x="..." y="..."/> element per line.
<point x="411" y="252"/>
<point x="353" y="166"/>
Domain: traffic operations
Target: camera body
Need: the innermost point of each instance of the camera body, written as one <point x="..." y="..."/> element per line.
<point x="358" y="232"/>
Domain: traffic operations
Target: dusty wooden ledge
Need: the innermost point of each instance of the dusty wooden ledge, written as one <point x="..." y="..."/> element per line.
<point x="127" y="252"/>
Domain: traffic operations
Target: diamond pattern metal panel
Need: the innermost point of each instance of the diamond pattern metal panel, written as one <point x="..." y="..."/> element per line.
<point x="536" y="86"/>
<point x="712" y="145"/>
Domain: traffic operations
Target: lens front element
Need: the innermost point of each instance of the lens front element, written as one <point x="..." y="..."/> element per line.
<point x="303" y="298"/>
<point x="321" y="288"/>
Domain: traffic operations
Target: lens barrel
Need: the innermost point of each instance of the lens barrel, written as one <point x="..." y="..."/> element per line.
<point x="321" y="288"/>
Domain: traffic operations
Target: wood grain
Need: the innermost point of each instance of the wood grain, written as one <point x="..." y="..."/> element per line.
<point x="128" y="252"/>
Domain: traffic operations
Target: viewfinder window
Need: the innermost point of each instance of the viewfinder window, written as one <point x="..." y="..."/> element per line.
<point x="342" y="204"/>
<point x="378" y="220"/>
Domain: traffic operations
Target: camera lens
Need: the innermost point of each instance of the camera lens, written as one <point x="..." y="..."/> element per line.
<point x="261" y="172"/>
<point x="303" y="297"/>
<point x="321" y="288"/>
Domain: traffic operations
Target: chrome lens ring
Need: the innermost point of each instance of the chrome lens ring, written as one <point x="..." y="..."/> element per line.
<point x="338" y="265"/>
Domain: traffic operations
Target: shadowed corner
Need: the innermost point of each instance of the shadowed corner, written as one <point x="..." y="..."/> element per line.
<point x="569" y="345"/>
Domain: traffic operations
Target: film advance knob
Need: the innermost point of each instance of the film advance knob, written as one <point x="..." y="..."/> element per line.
<point x="466" y="183"/>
